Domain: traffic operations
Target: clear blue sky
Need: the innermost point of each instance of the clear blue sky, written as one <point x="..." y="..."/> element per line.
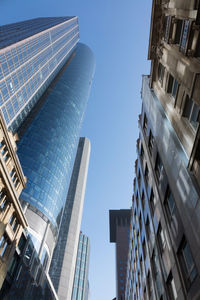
<point x="118" y="32"/>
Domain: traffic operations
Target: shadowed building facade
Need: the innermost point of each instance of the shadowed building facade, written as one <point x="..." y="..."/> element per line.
<point x="119" y="234"/>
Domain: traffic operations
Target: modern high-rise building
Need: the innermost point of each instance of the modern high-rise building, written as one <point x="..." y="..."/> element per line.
<point x="45" y="81"/>
<point x="63" y="263"/>
<point x="31" y="54"/>
<point x="48" y="144"/>
<point x="119" y="234"/>
<point x="80" y="285"/>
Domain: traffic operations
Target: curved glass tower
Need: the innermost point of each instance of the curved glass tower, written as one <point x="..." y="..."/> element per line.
<point x="48" y="146"/>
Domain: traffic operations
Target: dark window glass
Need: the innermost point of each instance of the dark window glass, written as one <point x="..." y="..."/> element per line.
<point x="171" y="287"/>
<point x="151" y="142"/>
<point x="152" y="201"/>
<point x="146" y="174"/>
<point x="145" y="124"/>
<point x="172" y="86"/>
<point x="161" y="71"/>
<point x="191" y="111"/>
<point x="179" y="26"/>
<point x="170" y="203"/>
<point x="158" y="167"/>
<point x="161" y="238"/>
<point x="187" y="263"/>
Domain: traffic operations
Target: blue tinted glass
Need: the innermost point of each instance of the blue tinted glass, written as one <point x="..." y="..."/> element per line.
<point x="54" y="135"/>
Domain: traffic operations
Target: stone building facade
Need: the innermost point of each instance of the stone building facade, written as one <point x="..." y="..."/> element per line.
<point x="12" y="182"/>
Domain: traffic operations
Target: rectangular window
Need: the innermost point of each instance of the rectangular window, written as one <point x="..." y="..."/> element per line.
<point x="151" y="142"/>
<point x="179" y="25"/>
<point x="191" y="111"/>
<point x="172" y="86"/>
<point x="161" y="71"/>
<point x="170" y="203"/>
<point x="187" y="263"/>
<point x="145" y="125"/>
<point x="158" y="167"/>
<point x="4" y="243"/>
<point x="146" y="174"/>
<point x="152" y="201"/>
<point x="161" y="238"/>
<point x="171" y="287"/>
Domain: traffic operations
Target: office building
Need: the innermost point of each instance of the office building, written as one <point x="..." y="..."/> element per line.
<point x="12" y="181"/>
<point x="48" y="146"/>
<point x="31" y="54"/>
<point x="164" y="241"/>
<point x="63" y="263"/>
<point x="119" y="234"/>
<point x="174" y="51"/>
<point x="80" y="285"/>
<point x="164" y="260"/>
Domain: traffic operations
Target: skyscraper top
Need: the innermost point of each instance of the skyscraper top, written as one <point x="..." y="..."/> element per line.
<point x="15" y="32"/>
<point x="29" y="61"/>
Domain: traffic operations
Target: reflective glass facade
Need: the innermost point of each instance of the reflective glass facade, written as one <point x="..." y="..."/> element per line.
<point x="80" y="286"/>
<point x="48" y="146"/>
<point x="32" y="52"/>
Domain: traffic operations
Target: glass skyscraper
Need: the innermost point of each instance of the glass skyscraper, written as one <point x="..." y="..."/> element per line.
<point x="31" y="54"/>
<point x="48" y="146"/>
<point x="80" y="287"/>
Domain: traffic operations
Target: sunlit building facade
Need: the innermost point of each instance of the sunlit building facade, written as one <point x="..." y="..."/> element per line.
<point x="12" y="182"/>
<point x="31" y="54"/>
<point x="80" y="285"/>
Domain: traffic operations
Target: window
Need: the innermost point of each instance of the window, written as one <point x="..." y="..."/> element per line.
<point x="144" y="249"/>
<point x="191" y="111"/>
<point x="149" y="284"/>
<point x="3" y="200"/>
<point x="146" y="174"/>
<point x="171" y="287"/>
<point x="170" y="203"/>
<point x="172" y="86"/>
<point x="161" y="238"/>
<point x="140" y="221"/>
<point x="187" y="263"/>
<point x="158" y="167"/>
<point x="143" y="200"/>
<point x="142" y="153"/>
<point x="4" y="243"/>
<point x="139" y="178"/>
<point x="161" y="71"/>
<point x="145" y="125"/>
<point x="179" y="25"/>
<point x="148" y="231"/>
<point x="13" y="222"/>
<point x="152" y="201"/>
<point x="151" y="142"/>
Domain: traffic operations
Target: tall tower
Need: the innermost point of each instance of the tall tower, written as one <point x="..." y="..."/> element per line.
<point x="31" y="54"/>
<point x="119" y="234"/>
<point x="81" y="284"/>
<point x="48" y="146"/>
<point x="62" y="269"/>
